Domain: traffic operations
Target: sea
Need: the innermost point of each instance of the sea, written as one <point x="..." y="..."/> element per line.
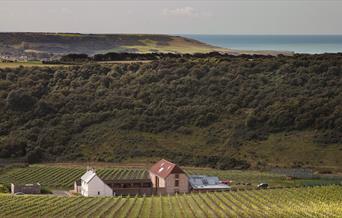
<point x="310" y="44"/>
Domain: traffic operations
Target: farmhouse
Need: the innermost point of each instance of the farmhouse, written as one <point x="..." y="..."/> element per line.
<point x="202" y="183"/>
<point x="163" y="177"/>
<point x="26" y="188"/>
<point x="168" y="178"/>
<point x="92" y="185"/>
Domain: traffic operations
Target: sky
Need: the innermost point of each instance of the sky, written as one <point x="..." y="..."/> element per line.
<point x="173" y="16"/>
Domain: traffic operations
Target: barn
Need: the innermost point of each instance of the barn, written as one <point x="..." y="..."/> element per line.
<point x="134" y="186"/>
<point x="168" y="178"/>
<point x="91" y="184"/>
<point x="34" y="188"/>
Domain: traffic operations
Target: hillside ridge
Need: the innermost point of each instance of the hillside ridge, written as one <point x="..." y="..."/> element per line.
<point x="224" y="112"/>
<point x="45" y="45"/>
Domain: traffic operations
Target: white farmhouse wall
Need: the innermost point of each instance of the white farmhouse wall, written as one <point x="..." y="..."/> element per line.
<point x="84" y="188"/>
<point x="96" y="187"/>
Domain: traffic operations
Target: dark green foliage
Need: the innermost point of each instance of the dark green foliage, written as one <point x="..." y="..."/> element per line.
<point x="4" y="188"/>
<point x="74" y="58"/>
<point x="45" y="190"/>
<point x="231" y="99"/>
<point x="35" y="155"/>
<point x="19" y="100"/>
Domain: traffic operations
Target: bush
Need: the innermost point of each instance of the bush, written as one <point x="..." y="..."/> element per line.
<point x="19" y="100"/>
<point x="45" y="190"/>
<point x="4" y="189"/>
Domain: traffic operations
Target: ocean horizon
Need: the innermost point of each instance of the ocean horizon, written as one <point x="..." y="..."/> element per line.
<point x="310" y="44"/>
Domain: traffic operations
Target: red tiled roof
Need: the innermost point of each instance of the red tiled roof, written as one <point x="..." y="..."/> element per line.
<point x="164" y="168"/>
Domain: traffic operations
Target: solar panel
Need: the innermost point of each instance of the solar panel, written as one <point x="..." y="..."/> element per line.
<point x="212" y="180"/>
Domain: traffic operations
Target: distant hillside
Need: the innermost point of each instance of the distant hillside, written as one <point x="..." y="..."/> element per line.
<point x="222" y="112"/>
<point x="63" y="43"/>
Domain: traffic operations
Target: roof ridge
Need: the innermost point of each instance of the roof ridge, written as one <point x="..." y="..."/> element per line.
<point x="167" y="161"/>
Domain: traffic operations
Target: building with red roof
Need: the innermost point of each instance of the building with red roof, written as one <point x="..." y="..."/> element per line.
<point x="168" y="178"/>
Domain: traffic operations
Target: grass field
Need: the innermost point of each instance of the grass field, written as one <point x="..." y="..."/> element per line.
<point x="40" y="64"/>
<point x="28" y="64"/>
<point x="293" y="202"/>
<point x="176" y="45"/>
<point x="63" y="176"/>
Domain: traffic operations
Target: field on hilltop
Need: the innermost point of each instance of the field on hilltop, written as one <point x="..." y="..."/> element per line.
<point x="222" y="112"/>
<point x="43" y="45"/>
<point x="295" y="202"/>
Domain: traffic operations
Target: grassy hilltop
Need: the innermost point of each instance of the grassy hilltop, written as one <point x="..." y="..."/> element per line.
<point x="64" y="43"/>
<point x="219" y="112"/>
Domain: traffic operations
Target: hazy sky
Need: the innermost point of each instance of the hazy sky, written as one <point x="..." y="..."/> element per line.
<point x="174" y="16"/>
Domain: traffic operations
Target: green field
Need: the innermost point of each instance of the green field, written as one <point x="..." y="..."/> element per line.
<point x="294" y="202"/>
<point x="28" y="64"/>
<point x="64" y="177"/>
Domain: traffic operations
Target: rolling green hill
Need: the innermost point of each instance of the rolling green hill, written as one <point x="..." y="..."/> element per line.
<point x="229" y="112"/>
<point x="40" y="44"/>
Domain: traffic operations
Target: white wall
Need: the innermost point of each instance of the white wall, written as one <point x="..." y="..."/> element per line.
<point x="161" y="181"/>
<point x="96" y="187"/>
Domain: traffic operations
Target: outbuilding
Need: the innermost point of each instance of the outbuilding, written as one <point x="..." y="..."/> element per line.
<point x="202" y="183"/>
<point x="34" y="188"/>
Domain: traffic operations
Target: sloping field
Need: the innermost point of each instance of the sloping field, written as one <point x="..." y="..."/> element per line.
<point x="64" y="43"/>
<point x="294" y="202"/>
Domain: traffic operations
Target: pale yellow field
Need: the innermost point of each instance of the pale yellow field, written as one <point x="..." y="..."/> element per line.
<point x="28" y="64"/>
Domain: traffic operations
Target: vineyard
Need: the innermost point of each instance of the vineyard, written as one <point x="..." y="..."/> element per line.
<point x="64" y="177"/>
<point x="60" y="177"/>
<point x="289" y="202"/>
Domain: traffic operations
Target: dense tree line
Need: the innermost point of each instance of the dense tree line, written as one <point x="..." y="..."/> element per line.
<point x="233" y="99"/>
<point x="126" y="56"/>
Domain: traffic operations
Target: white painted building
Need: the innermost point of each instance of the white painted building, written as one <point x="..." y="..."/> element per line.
<point x="92" y="185"/>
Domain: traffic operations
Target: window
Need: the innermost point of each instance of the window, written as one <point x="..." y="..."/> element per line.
<point x="98" y="193"/>
<point x="177" y="176"/>
<point x="147" y="184"/>
<point x="137" y="185"/>
<point x="127" y="185"/>
<point x="176" y="183"/>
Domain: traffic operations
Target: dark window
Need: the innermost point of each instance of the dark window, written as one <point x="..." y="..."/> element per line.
<point x="137" y="185"/>
<point x="98" y="193"/>
<point x="117" y="185"/>
<point x="127" y="185"/>
<point x="177" y="176"/>
<point x="147" y="184"/>
<point x="176" y="183"/>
